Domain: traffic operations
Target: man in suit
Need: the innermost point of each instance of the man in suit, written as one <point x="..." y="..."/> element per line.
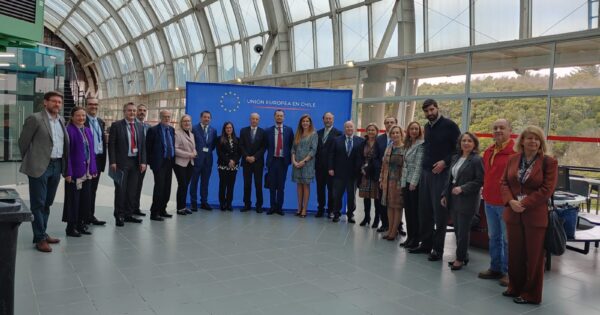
<point x="98" y="128"/>
<point x="252" y="145"/>
<point x="44" y="146"/>
<point x="441" y="136"/>
<point x="127" y="156"/>
<point x="345" y="160"/>
<point x="206" y="141"/>
<point x="382" y="142"/>
<point x="141" y="113"/>
<point x="325" y="182"/>
<point x="160" y="143"/>
<point x="280" y="139"/>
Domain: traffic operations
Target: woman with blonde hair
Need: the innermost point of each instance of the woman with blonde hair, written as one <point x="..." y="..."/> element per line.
<point x="389" y="181"/>
<point x="528" y="182"/>
<point x="185" y="153"/>
<point x="303" y="162"/>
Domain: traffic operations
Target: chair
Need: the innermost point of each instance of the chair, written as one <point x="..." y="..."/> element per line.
<point x="583" y="189"/>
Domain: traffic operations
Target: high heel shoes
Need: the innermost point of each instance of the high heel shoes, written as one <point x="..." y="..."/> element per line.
<point x="302" y="214"/>
<point x="459" y="267"/>
<point x="365" y="222"/>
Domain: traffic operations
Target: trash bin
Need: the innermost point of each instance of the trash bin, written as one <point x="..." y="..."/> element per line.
<point x="12" y="213"/>
<point x="569" y="215"/>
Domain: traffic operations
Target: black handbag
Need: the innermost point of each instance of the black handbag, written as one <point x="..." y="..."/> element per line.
<point x="556" y="238"/>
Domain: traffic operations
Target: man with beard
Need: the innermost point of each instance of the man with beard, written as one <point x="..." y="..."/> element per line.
<point x="441" y="137"/>
<point x="141" y="113"/>
<point x="97" y="126"/>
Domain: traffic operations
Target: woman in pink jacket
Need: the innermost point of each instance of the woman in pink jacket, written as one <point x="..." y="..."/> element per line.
<point x="185" y="152"/>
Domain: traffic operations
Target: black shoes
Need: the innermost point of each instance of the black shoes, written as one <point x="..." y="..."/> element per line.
<point x="319" y="214"/>
<point x="419" y="250"/>
<point x="509" y="294"/>
<point x="73" y="233"/>
<point x="132" y="219"/>
<point x="194" y="209"/>
<point x="434" y="256"/>
<point x="459" y="267"/>
<point x="520" y="300"/>
<point x="336" y="218"/>
<point x="156" y="218"/>
<point x="206" y="207"/>
<point x="166" y="215"/>
<point x="382" y="229"/>
<point x="119" y="222"/>
<point x="351" y="220"/>
<point x="245" y="209"/>
<point x="259" y="210"/>
<point x="139" y="212"/>
<point x="365" y="222"/>
<point x="182" y="212"/>
<point x="95" y="221"/>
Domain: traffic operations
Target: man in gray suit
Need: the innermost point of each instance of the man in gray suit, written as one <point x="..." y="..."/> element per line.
<point x="44" y="145"/>
<point x="127" y="155"/>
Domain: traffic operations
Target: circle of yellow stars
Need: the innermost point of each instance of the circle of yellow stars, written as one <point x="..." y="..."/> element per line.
<point x="230" y="102"/>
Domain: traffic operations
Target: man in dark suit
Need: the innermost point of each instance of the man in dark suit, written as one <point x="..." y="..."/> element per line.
<point x="127" y="156"/>
<point x="252" y="145"/>
<point x="280" y="139"/>
<point x="382" y="142"/>
<point x="98" y="128"/>
<point x="141" y="113"/>
<point x="325" y="182"/>
<point x="206" y="141"/>
<point x="345" y="160"/>
<point x="160" y="143"/>
<point x="44" y="146"/>
<point x="441" y="136"/>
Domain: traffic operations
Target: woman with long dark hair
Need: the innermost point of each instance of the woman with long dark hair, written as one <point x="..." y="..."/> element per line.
<point x="368" y="187"/>
<point x="228" y="152"/>
<point x="81" y="168"/>
<point x="303" y="162"/>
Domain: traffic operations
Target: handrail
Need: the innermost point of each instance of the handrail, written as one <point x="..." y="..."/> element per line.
<point x="71" y="75"/>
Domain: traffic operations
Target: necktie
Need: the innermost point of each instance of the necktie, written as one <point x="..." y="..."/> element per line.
<point x="133" y="146"/>
<point x="253" y="134"/>
<point x="205" y="133"/>
<point x="348" y="145"/>
<point x="325" y="134"/>
<point x="279" y="142"/>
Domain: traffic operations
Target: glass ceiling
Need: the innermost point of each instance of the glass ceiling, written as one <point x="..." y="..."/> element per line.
<point x="142" y="46"/>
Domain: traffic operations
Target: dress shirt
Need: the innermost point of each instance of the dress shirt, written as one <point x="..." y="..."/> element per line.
<point x="97" y="134"/>
<point x="58" y="136"/>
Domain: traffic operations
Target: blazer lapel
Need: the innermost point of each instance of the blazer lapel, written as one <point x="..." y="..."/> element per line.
<point x="462" y="167"/>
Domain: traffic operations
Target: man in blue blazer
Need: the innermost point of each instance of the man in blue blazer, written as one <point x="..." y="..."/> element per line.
<point x="345" y="160"/>
<point x="280" y="139"/>
<point x="206" y="140"/>
<point x="160" y="143"/>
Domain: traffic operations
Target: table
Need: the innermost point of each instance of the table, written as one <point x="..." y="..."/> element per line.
<point x="592" y="182"/>
<point x="563" y="198"/>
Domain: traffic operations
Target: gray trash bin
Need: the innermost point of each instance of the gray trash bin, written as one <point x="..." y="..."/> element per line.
<point x="12" y="213"/>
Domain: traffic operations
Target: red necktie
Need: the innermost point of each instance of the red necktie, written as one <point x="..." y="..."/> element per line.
<point x="133" y="146"/>
<point x="279" y="143"/>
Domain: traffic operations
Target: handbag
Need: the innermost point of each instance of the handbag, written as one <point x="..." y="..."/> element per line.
<point x="555" y="241"/>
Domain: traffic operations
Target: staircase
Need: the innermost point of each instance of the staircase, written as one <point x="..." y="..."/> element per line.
<point x="68" y="100"/>
<point x="73" y="93"/>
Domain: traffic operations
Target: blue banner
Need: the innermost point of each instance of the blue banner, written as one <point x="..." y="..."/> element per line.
<point x="235" y="103"/>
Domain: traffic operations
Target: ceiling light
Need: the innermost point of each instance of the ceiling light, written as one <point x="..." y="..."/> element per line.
<point x="238" y="80"/>
<point x="6" y="55"/>
<point x="4" y="64"/>
<point x="22" y="65"/>
<point x="350" y="63"/>
<point x="176" y="88"/>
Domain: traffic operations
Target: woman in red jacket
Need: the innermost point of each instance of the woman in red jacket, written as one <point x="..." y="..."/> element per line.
<point x="527" y="184"/>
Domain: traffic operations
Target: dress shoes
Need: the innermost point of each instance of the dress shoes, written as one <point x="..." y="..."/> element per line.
<point x="457" y="267"/>
<point x="490" y="274"/>
<point x="420" y="250"/>
<point x="95" y="221"/>
<point x="336" y="218"/>
<point x="166" y="215"/>
<point x="402" y="232"/>
<point x="434" y="256"/>
<point x="351" y="220"/>
<point x="132" y="220"/>
<point x="259" y="210"/>
<point x="181" y="212"/>
<point x="73" y="233"/>
<point x="520" y="300"/>
<point x="206" y="207"/>
<point x="280" y="212"/>
<point x="403" y="244"/>
<point x="319" y="214"/>
<point x="271" y="211"/>
<point x="119" y="222"/>
<point x="156" y="218"/>
<point x="83" y="230"/>
<point x="188" y="211"/>
<point x="509" y="294"/>
<point x="52" y="240"/>
<point x="194" y="209"/>
<point x="139" y="212"/>
<point x="245" y="209"/>
<point x="43" y="246"/>
<point x="382" y="229"/>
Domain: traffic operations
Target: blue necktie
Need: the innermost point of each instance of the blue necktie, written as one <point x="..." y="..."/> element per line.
<point x="348" y="145"/>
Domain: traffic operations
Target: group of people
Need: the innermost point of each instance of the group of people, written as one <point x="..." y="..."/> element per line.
<point x="431" y="173"/>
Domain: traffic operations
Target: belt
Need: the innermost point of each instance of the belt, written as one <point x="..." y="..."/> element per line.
<point x="55" y="159"/>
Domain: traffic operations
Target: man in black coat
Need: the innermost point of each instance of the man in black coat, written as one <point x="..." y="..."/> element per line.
<point x="98" y="128"/>
<point x="252" y="145"/>
<point x="325" y="182"/>
<point x="345" y="160"/>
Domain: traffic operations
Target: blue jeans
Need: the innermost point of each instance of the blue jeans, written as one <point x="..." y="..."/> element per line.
<point x="498" y="240"/>
<point x="42" y="191"/>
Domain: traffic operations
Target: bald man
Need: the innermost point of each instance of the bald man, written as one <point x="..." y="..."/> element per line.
<point x="160" y="143"/>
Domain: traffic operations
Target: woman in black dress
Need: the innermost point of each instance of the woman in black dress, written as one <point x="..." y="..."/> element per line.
<point x="228" y="152"/>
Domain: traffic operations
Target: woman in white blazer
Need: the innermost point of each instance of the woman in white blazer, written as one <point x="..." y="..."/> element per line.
<point x="185" y="152"/>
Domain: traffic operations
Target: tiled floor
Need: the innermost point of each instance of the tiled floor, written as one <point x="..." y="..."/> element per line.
<point x="245" y="263"/>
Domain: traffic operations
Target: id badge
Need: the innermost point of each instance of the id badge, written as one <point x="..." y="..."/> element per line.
<point x="521" y="197"/>
<point x="134" y="150"/>
<point x="204" y="149"/>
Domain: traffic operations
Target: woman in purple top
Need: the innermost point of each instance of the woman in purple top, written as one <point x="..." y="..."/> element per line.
<point x="81" y="167"/>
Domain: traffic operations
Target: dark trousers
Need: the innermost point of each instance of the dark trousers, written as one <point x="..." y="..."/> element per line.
<point x="126" y="194"/>
<point x="93" y="189"/>
<point x="42" y="191"/>
<point x="367" y="208"/>
<point x="462" y="230"/>
<point x="433" y="218"/>
<point x="381" y="211"/>
<point x="411" y="211"/>
<point x="526" y="261"/>
<point x="347" y="186"/>
<point x="76" y="209"/>
<point x="201" y="173"/>
<point x="162" y="187"/>
<point x="253" y="170"/>
<point x="138" y="191"/>
<point x="226" y="183"/>
<point x="184" y="175"/>
<point x="324" y="190"/>
<point x="277" y="175"/>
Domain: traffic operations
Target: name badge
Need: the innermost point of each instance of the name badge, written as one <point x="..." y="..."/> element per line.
<point x="521" y="197"/>
<point x="134" y="150"/>
<point x="204" y="149"/>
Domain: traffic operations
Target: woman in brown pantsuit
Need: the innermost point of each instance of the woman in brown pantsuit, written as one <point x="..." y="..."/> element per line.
<point x="527" y="184"/>
<point x="389" y="181"/>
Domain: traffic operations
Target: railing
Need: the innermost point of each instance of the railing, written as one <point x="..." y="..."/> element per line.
<point x="76" y="90"/>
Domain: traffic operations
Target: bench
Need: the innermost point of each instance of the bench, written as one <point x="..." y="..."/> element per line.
<point x="581" y="236"/>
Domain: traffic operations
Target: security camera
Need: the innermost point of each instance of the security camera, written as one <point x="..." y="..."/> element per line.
<point x="258" y="48"/>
